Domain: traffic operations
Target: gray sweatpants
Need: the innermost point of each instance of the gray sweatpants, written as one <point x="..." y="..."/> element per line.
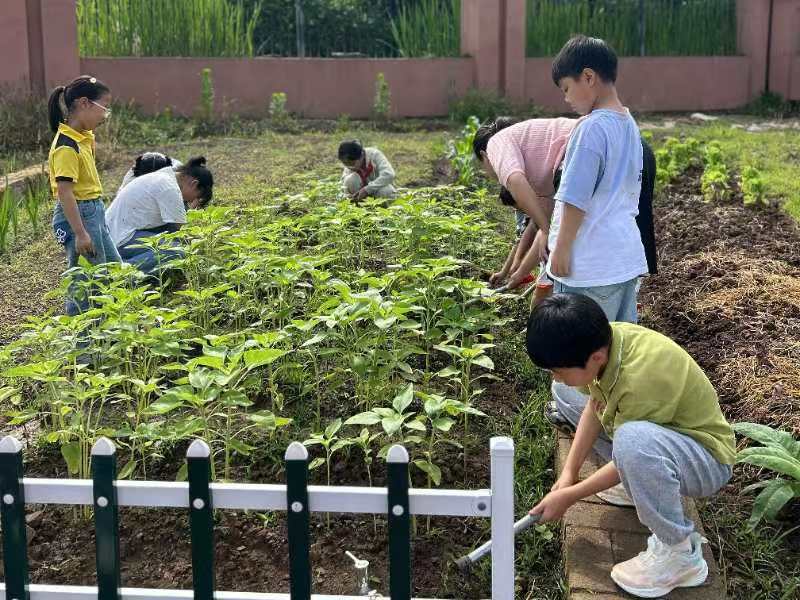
<point x="657" y="466"/>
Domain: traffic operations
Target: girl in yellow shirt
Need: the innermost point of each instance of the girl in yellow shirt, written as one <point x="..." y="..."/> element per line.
<point x="79" y="224"/>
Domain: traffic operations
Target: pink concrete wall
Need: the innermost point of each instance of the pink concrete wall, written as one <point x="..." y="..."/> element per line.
<point x="515" y="34"/>
<point x="315" y="87"/>
<point x="60" y="32"/>
<point x="794" y="91"/>
<point x="785" y="45"/>
<point x="482" y="39"/>
<point x="14" y="69"/>
<point x="659" y="83"/>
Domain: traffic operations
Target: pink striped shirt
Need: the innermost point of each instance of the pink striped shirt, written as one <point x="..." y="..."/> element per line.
<point x="534" y="148"/>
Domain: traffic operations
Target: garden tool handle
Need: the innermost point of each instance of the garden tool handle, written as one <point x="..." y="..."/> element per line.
<point x="468" y="560"/>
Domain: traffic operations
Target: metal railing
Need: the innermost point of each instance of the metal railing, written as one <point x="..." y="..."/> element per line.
<point x="105" y="493"/>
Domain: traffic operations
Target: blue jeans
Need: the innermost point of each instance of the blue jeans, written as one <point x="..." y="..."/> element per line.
<point x="144" y="258"/>
<point x="618" y="300"/>
<point x="93" y="215"/>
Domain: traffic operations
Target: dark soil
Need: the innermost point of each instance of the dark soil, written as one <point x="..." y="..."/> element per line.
<point x="728" y="290"/>
<point x="252" y="548"/>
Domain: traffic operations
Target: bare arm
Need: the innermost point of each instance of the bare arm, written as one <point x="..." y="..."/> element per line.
<point x="586" y="435"/>
<point x="66" y="196"/>
<point x="571" y="220"/>
<point x="539" y="209"/>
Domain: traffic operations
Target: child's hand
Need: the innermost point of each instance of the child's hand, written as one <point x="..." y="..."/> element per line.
<point x="559" y="261"/>
<point x="497" y="278"/>
<point x="83" y="244"/>
<point x="517" y="279"/>
<point x="566" y="480"/>
<point x="554" y="505"/>
<point x="540" y="246"/>
<point x="360" y="194"/>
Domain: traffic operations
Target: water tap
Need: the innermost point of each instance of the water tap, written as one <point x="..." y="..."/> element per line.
<point x="362" y="575"/>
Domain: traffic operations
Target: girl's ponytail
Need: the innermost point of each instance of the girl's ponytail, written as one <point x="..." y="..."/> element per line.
<point x="54" y="112"/>
<point x="196" y="169"/>
<point x="80" y="87"/>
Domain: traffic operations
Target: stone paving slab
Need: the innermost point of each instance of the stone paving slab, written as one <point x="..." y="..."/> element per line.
<point x="598" y="535"/>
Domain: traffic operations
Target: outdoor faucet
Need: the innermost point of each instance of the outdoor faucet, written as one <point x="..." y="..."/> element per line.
<point x="362" y="575"/>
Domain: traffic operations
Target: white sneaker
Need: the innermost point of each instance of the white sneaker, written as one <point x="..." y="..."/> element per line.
<point x="661" y="568"/>
<point x="616" y="495"/>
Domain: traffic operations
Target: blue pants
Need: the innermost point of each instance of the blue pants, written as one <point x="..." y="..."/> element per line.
<point x="148" y="260"/>
<point x="657" y="466"/>
<point x="93" y="215"/>
<point x="618" y="300"/>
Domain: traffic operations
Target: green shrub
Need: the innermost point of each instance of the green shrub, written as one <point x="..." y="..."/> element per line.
<point x="780" y="453"/>
<point x="754" y="188"/>
<point x="461" y="155"/>
<point x="382" y="105"/>
<point x="428" y="28"/>
<point x="486" y="104"/>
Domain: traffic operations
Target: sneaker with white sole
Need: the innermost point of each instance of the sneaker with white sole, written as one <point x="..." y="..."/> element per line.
<point x="661" y="568"/>
<point x="616" y="495"/>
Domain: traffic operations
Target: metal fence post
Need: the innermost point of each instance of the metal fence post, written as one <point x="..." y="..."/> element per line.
<point x="298" y="521"/>
<point x="502" y="468"/>
<point x="201" y="519"/>
<point x="12" y="511"/>
<point x="399" y="524"/>
<point x="106" y="519"/>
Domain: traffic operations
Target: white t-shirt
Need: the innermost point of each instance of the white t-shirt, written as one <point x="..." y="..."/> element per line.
<point x="129" y="176"/>
<point x="147" y="202"/>
<point x="602" y="177"/>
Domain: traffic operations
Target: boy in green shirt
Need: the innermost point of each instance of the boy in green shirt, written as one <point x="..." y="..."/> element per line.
<point x="654" y="415"/>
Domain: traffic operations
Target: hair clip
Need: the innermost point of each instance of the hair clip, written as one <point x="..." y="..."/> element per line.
<point x="92" y="80"/>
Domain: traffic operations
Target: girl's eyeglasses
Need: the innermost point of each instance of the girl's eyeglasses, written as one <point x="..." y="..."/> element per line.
<point x="105" y="108"/>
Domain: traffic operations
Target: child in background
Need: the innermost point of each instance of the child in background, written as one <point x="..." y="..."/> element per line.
<point x="653" y="415"/>
<point x="367" y="172"/>
<point x="79" y="218"/>
<point x="148" y="162"/>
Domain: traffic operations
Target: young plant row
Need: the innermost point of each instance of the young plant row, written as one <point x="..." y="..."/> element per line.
<point x="676" y="157"/>
<point x="31" y="203"/>
<point x="307" y="318"/>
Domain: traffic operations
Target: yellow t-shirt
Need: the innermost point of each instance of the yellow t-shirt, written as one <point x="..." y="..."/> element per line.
<point x="651" y="378"/>
<point x="72" y="159"/>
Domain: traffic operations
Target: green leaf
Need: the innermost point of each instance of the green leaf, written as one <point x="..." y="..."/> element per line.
<point x="769" y="436"/>
<point x="484" y="361"/>
<point x="72" y="455"/>
<point x="316" y="463"/>
<point x="263" y="419"/>
<point x="200" y="378"/>
<point x="443" y="423"/>
<point x="770" y="457"/>
<point x="164" y="405"/>
<point x="770" y="501"/>
<point x="416" y="426"/>
<point x="392" y="425"/>
<point x="127" y="470"/>
<point x="404" y="398"/>
<point x="235" y="398"/>
<point x="320" y="337"/>
<point x="385" y="323"/>
<point x="431" y="469"/>
<point x="448" y="372"/>
<point x="240" y="447"/>
<point x="183" y="472"/>
<point x="264" y="356"/>
<point x="333" y="428"/>
<point x="365" y="418"/>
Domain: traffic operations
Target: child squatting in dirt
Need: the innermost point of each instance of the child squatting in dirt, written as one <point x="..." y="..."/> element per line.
<point x="652" y="415"/>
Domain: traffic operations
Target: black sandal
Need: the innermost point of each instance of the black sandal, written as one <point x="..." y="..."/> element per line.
<point x="556" y="419"/>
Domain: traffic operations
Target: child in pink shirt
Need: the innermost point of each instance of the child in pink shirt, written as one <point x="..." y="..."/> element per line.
<point x="523" y="157"/>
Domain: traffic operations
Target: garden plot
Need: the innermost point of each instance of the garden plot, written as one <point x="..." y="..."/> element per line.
<point x="348" y="327"/>
<point x="728" y="290"/>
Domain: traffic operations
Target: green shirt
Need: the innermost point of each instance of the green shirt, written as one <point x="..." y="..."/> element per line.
<point x="651" y="378"/>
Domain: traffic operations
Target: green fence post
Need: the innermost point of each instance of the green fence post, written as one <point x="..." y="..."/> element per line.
<point x="298" y="517"/>
<point x="12" y="514"/>
<point x="201" y="519"/>
<point x="399" y="524"/>
<point x="106" y="518"/>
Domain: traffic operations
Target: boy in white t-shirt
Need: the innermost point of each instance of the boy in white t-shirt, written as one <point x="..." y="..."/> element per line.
<point x="596" y="247"/>
<point x="153" y="204"/>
